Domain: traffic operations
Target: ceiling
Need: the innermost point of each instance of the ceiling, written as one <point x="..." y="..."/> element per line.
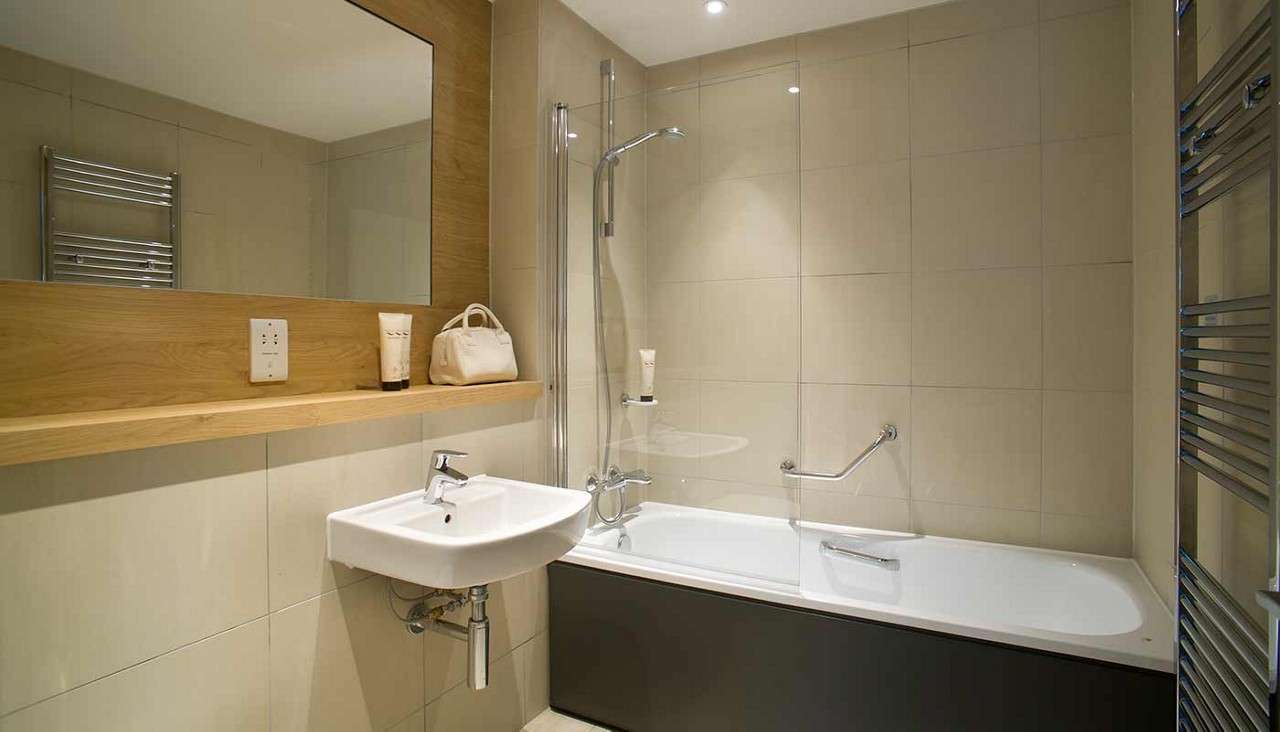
<point x="323" y="69"/>
<point x="658" y="31"/>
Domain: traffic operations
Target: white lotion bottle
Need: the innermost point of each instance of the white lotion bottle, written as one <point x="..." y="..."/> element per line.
<point x="648" y="357"/>
<point x="406" y="329"/>
<point x="390" y="345"/>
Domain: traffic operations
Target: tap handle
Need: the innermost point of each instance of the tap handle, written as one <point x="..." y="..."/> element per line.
<point x="440" y="458"/>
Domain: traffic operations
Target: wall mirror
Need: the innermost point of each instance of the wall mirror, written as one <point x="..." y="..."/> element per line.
<point x="277" y="147"/>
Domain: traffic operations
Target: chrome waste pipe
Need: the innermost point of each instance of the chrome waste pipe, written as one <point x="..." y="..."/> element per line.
<point x="475" y="634"/>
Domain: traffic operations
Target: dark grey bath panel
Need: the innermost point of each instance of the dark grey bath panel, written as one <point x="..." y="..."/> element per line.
<point x="640" y="655"/>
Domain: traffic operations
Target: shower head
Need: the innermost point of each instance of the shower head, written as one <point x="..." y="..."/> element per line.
<point x="615" y="153"/>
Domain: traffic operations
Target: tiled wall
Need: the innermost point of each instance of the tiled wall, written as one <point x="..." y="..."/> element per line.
<point x="935" y="232"/>
<point x="264" y="211"/>
<point x="187" y="588"/>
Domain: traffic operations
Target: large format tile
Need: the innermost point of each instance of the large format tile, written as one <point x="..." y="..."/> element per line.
<point x="515" y="208"/>
<point x="1084" y="75"/>
<point x="975" y="210"/>
<point x="845" y="509"/>
<point x="734" y="496"/>
<point x="1088" y="454"/>
<point x="856" y="219"/>
<point x="1050" y="9"/>
<point x="949" y="20"/>
<point x="342" y="662"/>
<point x="499" y="439"/>
<point x="854" y="111"/>
<point x="977" y="447"/>
<point x="980" y="524"/>
<point x="748" y="330"/>
<point x="976" y="92"/>
<point x="838" y="422"/>
<point x="763" y="416"/>
<point x="515" y="91"/>
<point x="1112" y="536"/>
<point x="856" y="329"/>
<point x="749" y="126"/>
<point x="750" y="227"/>
<point x="159" y="548"/>
<point x="498" y="707"/>
<point x="1088" y="328"/>
<point x="673" y="313"/>
<point x="854" y="39"/>
<point x="751" y="57"/>
<point x="313" y="472"/>
<point x="219" y="683"/>
<point x="976" y="328"/>
<point x="1088" y="201"/>
<point x="33" y="117"/>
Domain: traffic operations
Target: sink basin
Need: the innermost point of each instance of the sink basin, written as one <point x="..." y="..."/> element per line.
<point x="497" y="528"/>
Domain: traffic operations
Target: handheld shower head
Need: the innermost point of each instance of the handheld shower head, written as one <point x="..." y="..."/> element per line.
<point x="613" y="154"/>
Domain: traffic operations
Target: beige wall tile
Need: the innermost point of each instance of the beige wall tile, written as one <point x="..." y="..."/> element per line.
<point x="32" y="118"/>
<point x="515" y="91"/>
<point x="19" y="232"/>
<point x="856" y="330"/>
<point x="750" y="227"/>
<point x="976" y="328"/>
<point x="342" y="662"/>
<point x="215" y="172"/>
<point x="1084" y="75"/>
<point x="749" y="330"/>
<point x="1088" y="201"/>
<point x="120" y="138"/>
<point x="749" y="126"/>
<point x="764" y="415"/>
<point x="1088" y="334"/>
<point x="499" y="439"/>
<point x="674" y="73"/>
<point x="838" y="422"/>
<point x="854" y="111"/>
<point x="867" y="512"/>
<point x="948" y="20"/>
<point x="1088" y="534"/>
<point x="671" y="443"/>
<point x="673" y="314"/>
<point x="747" y="58"/>
<point x="514" y="236"/>
<point x="384" y="139"/>
<point x="1050" y="9"/>
<point x="535" y="681"/>
<point x="976" y="92"/>
<point x="499" y="707"/>
<point x="1088" y="454"/>
<point x="514" y="16"/>
<point x="854" y="39"/>
<point x="856" y="219"/>
<point x="569" y="57"/>
<point x="415" y="722"/>
<point x="95" y="525"/>
<point x="515" y="301"/>
<point x="219" y="683"/>
<point x="980" y="524"/>
<point x="997" y="466"/>
<point x="735" y="496"/>
<point x="313" y="472"/>
<point x="33" y="71"/>
<point x="977" y="209"/>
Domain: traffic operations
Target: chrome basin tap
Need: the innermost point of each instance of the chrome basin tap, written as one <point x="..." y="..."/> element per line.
<point x="442" y="476"/>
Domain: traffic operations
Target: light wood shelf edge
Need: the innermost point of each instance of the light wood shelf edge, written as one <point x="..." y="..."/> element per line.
<point x="53" y="436"/>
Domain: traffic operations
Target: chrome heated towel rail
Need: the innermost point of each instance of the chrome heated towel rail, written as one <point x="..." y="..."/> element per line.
<point x="68" y="256"/>
<point x="1226" y="374"/>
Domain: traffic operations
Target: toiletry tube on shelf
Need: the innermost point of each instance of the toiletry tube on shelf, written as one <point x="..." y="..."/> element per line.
<point x="647" y="359"/>
<point x="406" y="329"/>
<point x="390" y="344"/>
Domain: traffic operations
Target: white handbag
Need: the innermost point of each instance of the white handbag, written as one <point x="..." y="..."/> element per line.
<point x="471" y="354"/>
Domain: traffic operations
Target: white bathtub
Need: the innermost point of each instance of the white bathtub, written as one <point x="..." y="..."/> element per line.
<point x="1078" y="604"/>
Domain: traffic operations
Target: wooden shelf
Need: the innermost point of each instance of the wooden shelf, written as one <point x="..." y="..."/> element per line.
<point x="47" y="437"/>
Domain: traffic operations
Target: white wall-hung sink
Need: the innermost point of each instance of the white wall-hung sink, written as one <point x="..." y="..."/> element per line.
<point x="494" y="529"/>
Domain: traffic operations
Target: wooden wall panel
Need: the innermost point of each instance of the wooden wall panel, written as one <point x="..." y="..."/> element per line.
<point x="68" y="348"/>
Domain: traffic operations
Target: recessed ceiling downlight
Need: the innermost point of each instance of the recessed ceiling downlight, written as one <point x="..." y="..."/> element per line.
<point x="715" y="7"/>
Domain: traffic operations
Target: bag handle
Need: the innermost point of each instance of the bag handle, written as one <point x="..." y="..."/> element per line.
<point x="465" y="318"/>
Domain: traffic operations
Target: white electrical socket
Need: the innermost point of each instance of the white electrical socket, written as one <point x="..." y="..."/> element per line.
<point x="268" y="350"/>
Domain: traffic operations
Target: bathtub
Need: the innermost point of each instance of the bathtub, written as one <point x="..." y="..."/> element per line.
<point x="1091" y="622"/>
<point x="1080" y="604"/>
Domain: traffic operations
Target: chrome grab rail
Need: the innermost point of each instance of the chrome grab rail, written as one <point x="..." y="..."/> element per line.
<point x="886" y="562"/>
<point x="887" y="433"/>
